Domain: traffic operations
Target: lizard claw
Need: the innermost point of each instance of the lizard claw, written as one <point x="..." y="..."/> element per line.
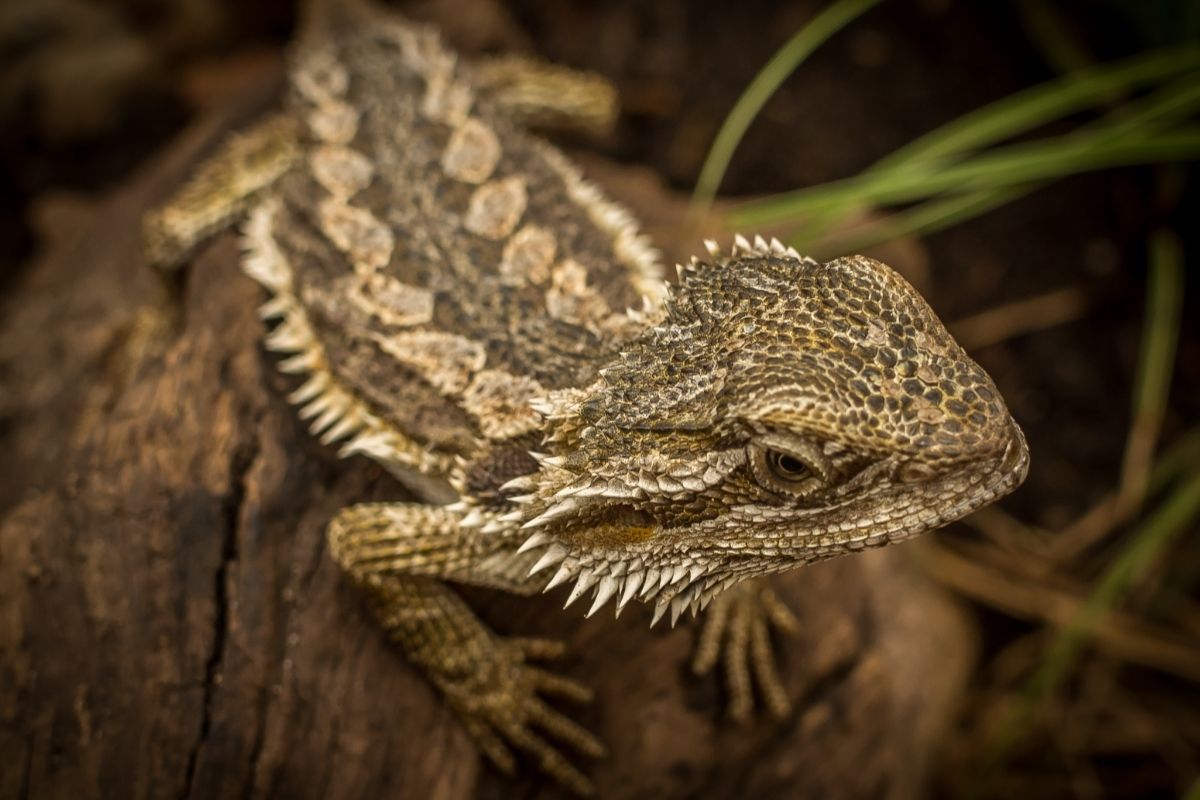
<point x="502" y="708"/>
<point x="737" y="626"/>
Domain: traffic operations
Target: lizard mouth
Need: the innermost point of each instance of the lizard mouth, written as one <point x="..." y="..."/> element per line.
<point x="624" y="552"/>
<point x="609" y="547"/>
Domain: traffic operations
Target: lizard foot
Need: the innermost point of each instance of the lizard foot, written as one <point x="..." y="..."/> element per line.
<point x="737" y="628"/>
<point x="502" y="708"/>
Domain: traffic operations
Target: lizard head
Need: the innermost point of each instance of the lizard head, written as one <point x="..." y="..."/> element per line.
<point x="779" y="412"/>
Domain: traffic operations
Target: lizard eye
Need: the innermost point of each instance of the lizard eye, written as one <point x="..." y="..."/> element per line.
<point x="797" y="471"/>
<point x="786" y="467"/>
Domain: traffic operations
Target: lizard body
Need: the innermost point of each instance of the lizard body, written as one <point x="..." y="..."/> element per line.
<point x="468" y="311"/>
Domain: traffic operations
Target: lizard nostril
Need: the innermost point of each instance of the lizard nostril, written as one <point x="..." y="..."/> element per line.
<point x="915" y="473"/>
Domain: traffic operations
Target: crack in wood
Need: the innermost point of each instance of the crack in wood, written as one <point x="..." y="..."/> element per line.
<point x="231" y="511"/>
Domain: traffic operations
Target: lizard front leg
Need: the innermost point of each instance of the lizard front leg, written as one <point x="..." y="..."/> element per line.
<point x="736" y="629"/>
<point x="221" y="191"/>
<point x="400" y="554"/>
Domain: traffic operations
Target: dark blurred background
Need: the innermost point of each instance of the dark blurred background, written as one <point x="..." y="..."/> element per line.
<point x="1083" y="584"/>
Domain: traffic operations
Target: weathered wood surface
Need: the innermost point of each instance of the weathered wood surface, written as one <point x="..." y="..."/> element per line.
<point x="170" y="625"/>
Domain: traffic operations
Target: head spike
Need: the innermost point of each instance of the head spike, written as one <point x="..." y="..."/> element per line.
<point x="522" y="483"/>
<point x="545" y="460"/>
<point x="559" y="509"/>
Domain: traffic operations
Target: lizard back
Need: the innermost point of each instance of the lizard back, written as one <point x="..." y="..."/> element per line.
<point x="438" y="268"/>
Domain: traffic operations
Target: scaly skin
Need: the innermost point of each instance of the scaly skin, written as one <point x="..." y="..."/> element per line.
<point x="456" y="296"/>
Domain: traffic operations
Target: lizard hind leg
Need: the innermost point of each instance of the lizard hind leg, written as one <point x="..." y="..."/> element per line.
<point x="400" y="554"/>
<point x="548" y="97"/>
<point x="220" y="191"/>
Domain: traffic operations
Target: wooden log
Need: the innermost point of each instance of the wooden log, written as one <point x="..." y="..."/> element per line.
<point x="171" y="626"/>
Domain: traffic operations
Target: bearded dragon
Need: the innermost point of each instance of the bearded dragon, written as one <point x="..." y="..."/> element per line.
<point x="468" y="311"/>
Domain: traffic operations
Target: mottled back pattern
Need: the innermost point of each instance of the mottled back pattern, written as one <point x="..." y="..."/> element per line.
<point x="450" y="267"/>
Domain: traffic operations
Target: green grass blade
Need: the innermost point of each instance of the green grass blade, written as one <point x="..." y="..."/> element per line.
<point x="1156" y="364"/>
<point x="1146" y="543"/>
<point x="1168" y="105"/>
<point x="1179" y="457"/>
<point x="928" y="217"/>
<point x="1031" y="108"/>
<point x="765" y="83"/>
<point x="1176" y="101"/>
<point x="1004" y="167"/>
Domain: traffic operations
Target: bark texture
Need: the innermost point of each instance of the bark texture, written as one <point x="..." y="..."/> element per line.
<point x="170" y="625"/>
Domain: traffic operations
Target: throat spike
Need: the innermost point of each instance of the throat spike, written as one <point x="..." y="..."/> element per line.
<point x="587" y="579"/>
<point x="555" y="554"/>
<point x="633" y="582"/>
<point x="562" y="576"/>
<point x="659" y="610"/>
<point x="607" y="588"/>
